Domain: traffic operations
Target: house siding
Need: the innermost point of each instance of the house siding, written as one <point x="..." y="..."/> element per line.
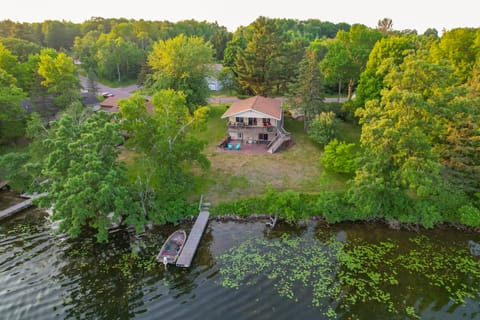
<point x="255" y="130"/>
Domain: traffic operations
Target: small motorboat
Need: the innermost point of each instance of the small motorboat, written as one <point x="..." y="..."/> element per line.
<point x="172" y="247"/>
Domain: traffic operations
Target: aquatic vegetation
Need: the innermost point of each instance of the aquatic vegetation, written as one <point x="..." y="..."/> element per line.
<point x="444" y="269"/>
<point x="345" y="274"/>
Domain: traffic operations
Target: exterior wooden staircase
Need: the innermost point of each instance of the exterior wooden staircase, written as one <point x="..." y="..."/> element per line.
<point x="278" y="141"/>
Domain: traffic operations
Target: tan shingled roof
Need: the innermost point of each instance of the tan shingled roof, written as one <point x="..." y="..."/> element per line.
<point x="268" y="106"/>
<point x="111" y="105"/>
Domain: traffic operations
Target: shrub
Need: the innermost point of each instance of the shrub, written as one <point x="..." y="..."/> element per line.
<point x="333" y="207"/>
<point x="323" y="128"/>
<point x="339" y="157"/>
<point x="469" y="216"/>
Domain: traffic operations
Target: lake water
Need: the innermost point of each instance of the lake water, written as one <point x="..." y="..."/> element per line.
<point x="46" y="276"/>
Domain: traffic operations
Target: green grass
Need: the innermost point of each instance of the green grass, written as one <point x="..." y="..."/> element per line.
<point x="235" y="175"/>
<point x="116" y="84"/>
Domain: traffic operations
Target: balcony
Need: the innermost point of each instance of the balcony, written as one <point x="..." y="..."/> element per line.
<point x="242" y="125"/>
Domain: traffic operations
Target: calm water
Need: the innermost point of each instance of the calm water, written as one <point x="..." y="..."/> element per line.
<point x="46" y="276"/>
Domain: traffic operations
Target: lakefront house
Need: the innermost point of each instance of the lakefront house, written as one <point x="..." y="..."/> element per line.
<point x="257" y="120"/>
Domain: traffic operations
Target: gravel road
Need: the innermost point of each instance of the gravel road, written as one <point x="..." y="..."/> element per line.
<point x="121" y="92"/>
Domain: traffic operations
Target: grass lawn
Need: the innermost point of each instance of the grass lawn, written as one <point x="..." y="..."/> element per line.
<point x="116" y="84"/>
<point x="235" y="175"/>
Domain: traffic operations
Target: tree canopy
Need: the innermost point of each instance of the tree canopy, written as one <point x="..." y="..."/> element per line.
<point x="182" y="64"/>
<point x="164" y="148"/>
<point x="402" y="138"/>
<point x="87" y="184"/>
<point x="347" y="55"/>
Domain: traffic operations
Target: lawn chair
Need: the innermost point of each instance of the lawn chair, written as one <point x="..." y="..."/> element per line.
<point x="229" y="146"/>
<point x="237" y="146"/>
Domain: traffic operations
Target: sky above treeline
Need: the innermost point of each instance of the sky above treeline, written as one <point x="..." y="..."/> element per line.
<point x="406" y="14"/>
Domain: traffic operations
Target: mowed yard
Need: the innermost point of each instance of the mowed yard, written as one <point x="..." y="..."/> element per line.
<point x="234" y="175"/>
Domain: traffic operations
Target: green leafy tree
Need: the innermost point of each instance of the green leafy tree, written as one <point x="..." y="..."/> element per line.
<point x="164" y="148"/>
<point x="286" y="205"/>
<point x="15" y="168"/>
<point x="118" y="59"/>
<point x="12" y="114"/>
<point x="399" y="174"/>
<point x="339" y="156"/>
<point x="86" y="182"/>
<point x="8" y="61"/>
<point x="348" y="54"/>
<point x="85" y="48"/>
<point x="386" y="53"/>
<point x="20" y="48"/>
<point x="59" y="77"/>
<point x="458" y="46"/>
<point x="59" y="34"/>
<point x="182" y="64"/>
<point x="323" y="128"/>
<point x="237" y="44"/>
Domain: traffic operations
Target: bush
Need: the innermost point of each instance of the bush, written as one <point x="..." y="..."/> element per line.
<point x="339" y="157"/>
<point x="323" y="128"/>
<point x="333" y="207"/>
<point x="469" y="216"/>
<point x="242" y="207"/>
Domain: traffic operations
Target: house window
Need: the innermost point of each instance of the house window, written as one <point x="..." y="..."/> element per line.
<point x="239" y="119"/>
<point x="266" y="122"/>
<point x="263" y="136"/>
<point x="252" y="121"/>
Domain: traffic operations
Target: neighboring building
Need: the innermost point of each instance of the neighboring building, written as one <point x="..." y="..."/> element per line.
<point x="111" y="105"/>
<point x="257" y="120"/>
<point x="213" y="82"/>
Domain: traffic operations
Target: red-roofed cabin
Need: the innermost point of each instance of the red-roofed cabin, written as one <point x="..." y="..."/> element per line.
<point x="256" y="119"/>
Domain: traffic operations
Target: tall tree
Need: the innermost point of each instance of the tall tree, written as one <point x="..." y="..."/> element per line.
<point x="163" y="147"/>
<point x="11" y="96"/>
<point x="118" y="59"/>
<point x="59" y="77"/>
<point x="385" y="26"/>
<point x="309" y="92"/>
<point x="182" y="64"/>
<point x="386" y="53"/>
<point x="86" y="182"/>
<point x="402" y="135"/>
<point x="12" y="114"/>
<point x="348" y="54"/>
<point x="458" y="46"/>
<point x="257" y="65"/>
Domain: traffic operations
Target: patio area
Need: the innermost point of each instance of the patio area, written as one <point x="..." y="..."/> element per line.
<point x="245" y="148"/>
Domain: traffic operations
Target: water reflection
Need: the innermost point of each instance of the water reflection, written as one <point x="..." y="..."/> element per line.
<point x="43" y="275"/>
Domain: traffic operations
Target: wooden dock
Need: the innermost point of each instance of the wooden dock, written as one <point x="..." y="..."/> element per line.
<point x="193" y="240"/>
<point x="19" y="206"/>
